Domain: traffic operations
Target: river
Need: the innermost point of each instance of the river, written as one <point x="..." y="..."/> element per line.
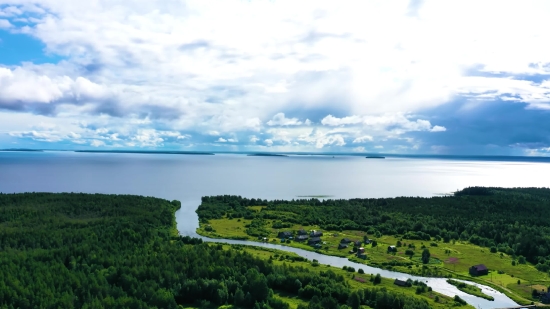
<point x="189" y="177"/>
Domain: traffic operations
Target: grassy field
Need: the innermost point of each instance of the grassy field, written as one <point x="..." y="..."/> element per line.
<point x="451" y="259"/>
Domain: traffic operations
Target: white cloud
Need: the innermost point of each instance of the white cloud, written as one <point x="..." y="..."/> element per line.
<point x="5" y="24"/>
<point x="180" y="66"/>
<point x="221" y="140"/>
<point x="334" y="121"/>
<point x="438" y="129"/>
<point x="253" y="139"/>
<point x="378" y="147"/>
<point x="97" y="143"/>
<point x="359" y="149"/>
<point x="362" y="139"/>
<point x="280" y="120"/>
<point x="268" y="142"/>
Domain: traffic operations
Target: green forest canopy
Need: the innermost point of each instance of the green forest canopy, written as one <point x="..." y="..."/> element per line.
<point x="120" y="251"/>
<point x="507" y="220"/>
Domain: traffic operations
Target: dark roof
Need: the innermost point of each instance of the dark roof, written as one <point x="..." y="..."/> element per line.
<point x="400" y="282"/>
<point x="302" y="237"/>
<point x="345" y="240"/>
<point x="479" y="267"/>
<point x="313" y="239"/>
<point x="302" y="232"/>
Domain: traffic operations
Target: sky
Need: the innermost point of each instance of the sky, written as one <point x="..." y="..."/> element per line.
<point x="409" y="77"/>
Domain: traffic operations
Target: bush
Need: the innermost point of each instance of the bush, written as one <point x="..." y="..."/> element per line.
<point x="459" y="300"/>
<point x="361" y="271"/>
<point x="377" y="279"/>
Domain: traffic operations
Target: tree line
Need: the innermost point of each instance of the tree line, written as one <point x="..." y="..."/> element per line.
<point x="120" y="251"/>
<point x="506" y="220"/>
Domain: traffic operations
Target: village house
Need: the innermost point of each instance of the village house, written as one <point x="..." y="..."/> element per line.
<point x="392" y="249"/>
<point x="302" y="237"/>
<point x="315" y="233"/>
<point x="357" y="243"/>
<point x="361" y="254"/>
<point x="401" y="283"/>
<point x="314" y="240"/>
<point x="478" y="270"/>
<point x="285" y="234"/>
<point x="302" y="232"/>
<point x="342" y="246"/>
<point x="345" y="241"/>
<point x="545" y="297"/>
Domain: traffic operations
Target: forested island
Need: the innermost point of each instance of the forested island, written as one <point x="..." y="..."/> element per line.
<point x="443" y="236"/>
<point x="149" y="152"/>
<point x="122" y="251"/>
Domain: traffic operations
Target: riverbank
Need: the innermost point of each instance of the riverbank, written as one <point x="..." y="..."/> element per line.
<point x="448" y="258"/>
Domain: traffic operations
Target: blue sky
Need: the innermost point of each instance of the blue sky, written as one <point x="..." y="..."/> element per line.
<point x="412" y="77"/>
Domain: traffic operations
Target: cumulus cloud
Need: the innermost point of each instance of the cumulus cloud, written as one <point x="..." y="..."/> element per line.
<point x="280" y="120"/>
<point x="362" y="139"/>
<point x="139" y="62"/>
<point x="97" y="143"/>
<point x="5" y="24"/>
<point x="221" y="140"/>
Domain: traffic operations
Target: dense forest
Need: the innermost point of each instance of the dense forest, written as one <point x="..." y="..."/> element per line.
<point x="512" y="221"/>
<point x="119" y="251"/>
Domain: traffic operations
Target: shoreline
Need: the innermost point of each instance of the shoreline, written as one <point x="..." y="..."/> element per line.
<point x="514" y="297"/>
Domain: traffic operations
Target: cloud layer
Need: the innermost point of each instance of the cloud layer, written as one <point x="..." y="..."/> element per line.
<point x="279" y="75"/>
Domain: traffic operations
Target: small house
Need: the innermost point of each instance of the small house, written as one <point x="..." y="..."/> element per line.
<point x="302" y="237"/>
<point x="315" y="233"/>
<point x="302" y="232"/>
<point x="314" y="240"/>
<point x="368" y="241"/>
<point x="361" y="250"/>
<point x="399" y="282"/>
<point x="285" y="234"/>
<point x="478" y="270"/>
<point x="342" y="246"/>
<point x="361" y="255"/>
<point x="545" y="298"/>
<point x="345" y="241"/>
<point x="357" y="243"/>
<point x="392" y="249"/>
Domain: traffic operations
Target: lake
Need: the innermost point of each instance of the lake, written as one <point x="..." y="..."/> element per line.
<point x="188" y="177"/>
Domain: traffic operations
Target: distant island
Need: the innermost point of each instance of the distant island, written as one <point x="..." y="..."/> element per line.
<point x="266" y="155"/>
<point x="148" y="152"/>
<point x="22" y="149"/>
<point x="375" y="157"/>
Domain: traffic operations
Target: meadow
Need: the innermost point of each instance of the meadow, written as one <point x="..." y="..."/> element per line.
<point x="450" y="256"/>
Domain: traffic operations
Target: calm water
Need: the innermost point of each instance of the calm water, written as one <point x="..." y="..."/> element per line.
<point x="188" y="177"/>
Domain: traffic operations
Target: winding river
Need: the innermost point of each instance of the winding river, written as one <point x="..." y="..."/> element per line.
<point x="189" y="177"/>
